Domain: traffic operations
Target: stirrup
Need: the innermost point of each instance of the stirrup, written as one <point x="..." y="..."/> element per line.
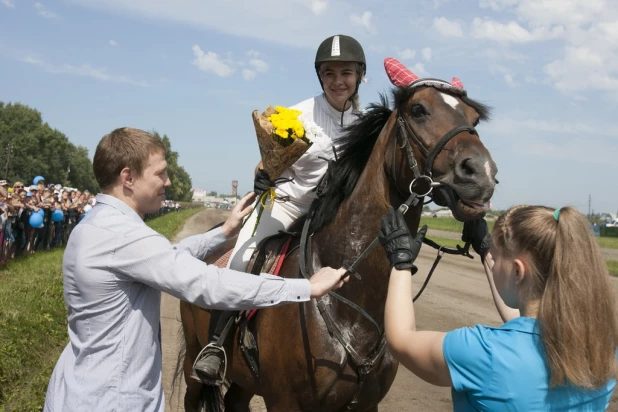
<point x="217" y="379"/>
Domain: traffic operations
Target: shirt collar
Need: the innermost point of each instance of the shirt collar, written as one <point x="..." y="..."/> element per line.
<point x="522" y="324"/>
<point x="118" y="205"/>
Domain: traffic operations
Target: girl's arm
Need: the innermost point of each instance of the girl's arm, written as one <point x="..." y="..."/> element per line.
<point x="506" y="313"/>
<point x="419" y="351"/>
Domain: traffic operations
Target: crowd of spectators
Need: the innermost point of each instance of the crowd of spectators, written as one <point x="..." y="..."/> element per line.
<point x="42" y="215"/>
<point x="39" y="216"/>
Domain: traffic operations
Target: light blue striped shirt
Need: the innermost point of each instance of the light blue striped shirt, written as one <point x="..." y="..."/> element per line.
<point x="114" y="269"/>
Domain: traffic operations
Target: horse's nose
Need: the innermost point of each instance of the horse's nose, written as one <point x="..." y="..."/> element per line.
<point x="474" y="169"/>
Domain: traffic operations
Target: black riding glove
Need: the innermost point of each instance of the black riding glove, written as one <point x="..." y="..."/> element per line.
<point x="262" y="182"/>
<point x="401" y="248"/>
<point x="476" y="232"/>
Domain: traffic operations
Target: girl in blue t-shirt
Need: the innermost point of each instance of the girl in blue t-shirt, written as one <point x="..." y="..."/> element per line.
<point x="557" y="348"/>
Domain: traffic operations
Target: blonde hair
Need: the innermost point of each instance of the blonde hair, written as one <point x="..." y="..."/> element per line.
<point x="577" y="308"/>
<point x="124" y="147"/>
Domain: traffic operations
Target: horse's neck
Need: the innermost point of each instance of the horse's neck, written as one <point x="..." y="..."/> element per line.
<point x="357" y="224"/>
<point x="354" y="228"/>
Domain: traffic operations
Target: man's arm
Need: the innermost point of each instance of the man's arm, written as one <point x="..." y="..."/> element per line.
<point x="149" y="258"/>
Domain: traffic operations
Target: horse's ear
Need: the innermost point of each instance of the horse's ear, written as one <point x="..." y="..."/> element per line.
<point x="457" y="83"/>
<point x="398" y="74"/>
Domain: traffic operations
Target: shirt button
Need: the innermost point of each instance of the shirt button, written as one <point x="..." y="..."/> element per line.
<point x="297" y="297"/>
<point x="272" y="301"/>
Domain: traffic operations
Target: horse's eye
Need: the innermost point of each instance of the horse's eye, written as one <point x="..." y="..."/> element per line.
<point x="417" y="111"/>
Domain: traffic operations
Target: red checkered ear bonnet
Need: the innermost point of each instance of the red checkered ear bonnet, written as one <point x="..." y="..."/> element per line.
<point x="401" y="76"/>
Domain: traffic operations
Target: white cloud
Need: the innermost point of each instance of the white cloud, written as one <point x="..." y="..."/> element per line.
<point x="447" y="28"/>
<point x="211" y="62"/>
<point x="318" y="6"/>
<point x="506" y="74"/>
<point x="406" y="54"/>
<point x="363" y="20"/>
<point x="273" y="21"/>
<point x="426" y="54"/>
<point x="579" y="149"/>
<point x="43" y="11"/>
<point x="486" y="28"/>
<point x="113" y="43"/>
<point x="587" y="59"/>
<point x="259" y="65"/>
<point x="83" y="70"/>
<point x="496" y="5"/>
<point x="583" y="68"/>
<point x="248" y="74"/>
<point x="564" y="12"/>
<point x="419" y="70"/>
<point x="8" y="3"/>
<point x="513" y="126"/>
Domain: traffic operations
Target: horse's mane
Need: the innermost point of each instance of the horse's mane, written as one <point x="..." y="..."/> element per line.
<point x="355" y="147"/>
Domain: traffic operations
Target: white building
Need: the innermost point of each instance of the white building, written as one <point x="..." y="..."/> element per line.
<point x="199" y="195"/>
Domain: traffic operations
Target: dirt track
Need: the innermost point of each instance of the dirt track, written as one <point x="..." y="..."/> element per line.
<point x="457" y="295"/>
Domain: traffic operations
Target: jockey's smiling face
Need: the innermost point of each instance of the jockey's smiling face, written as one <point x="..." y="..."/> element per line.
<point x="339" y="79"/>
<point x="149" y="188"/>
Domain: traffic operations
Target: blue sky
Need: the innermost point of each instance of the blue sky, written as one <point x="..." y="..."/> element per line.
<point x="195" y="70"/>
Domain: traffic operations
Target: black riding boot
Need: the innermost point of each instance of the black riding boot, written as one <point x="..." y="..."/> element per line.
<point x="208" y="364"/>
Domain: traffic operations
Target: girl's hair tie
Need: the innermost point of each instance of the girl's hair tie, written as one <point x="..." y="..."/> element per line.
<point x="557" y="215"/>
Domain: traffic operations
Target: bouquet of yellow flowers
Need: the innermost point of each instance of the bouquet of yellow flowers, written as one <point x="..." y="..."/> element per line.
<point x="281" y="138"/>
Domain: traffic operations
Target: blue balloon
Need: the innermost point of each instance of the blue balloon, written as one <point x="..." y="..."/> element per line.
<point x="57" y="215"/>
<point x="41" y="212"/>
<point x="37" y="179"/>
<point x="36" y="220"/>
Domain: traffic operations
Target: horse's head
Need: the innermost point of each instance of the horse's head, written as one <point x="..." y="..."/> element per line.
<point x="436" y="120"/>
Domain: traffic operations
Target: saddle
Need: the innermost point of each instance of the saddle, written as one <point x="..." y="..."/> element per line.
<point x="268" y="257"/>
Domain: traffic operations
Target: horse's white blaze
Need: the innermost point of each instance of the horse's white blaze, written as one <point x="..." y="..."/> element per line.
<point x="488" y="169"/>
<point x="450" y="100"/>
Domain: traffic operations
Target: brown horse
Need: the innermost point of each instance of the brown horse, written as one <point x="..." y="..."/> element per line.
<point x="304" y="366"/>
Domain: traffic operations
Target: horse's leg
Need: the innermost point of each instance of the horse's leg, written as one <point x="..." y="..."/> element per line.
<point x="237" y="399"/>
<point x="194" y="388"/>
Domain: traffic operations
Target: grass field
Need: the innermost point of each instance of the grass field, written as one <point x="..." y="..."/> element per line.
<point x="448" y="224"/>
<point x="33" y="328"/>
<point x="613" y="267"/>
<point x="452" y="225"/>
<point x="452" y="243"/>
<point x="608" y="242"/>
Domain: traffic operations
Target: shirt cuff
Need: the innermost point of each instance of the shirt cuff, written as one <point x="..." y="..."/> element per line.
<point x="298" y="290"/>
<point x="218" y="237"/>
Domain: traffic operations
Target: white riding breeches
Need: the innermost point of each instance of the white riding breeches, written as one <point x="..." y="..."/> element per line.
<point x="280" y="217"/>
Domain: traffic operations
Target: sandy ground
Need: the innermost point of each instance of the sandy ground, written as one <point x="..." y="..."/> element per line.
<point x="457" y="295"/>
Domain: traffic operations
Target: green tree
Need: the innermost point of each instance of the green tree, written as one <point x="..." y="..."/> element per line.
<point x="181" y="181"/>
<point x="38" y="149"/>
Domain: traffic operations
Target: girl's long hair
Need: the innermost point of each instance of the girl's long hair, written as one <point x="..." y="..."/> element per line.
<point x="570" y="279"/>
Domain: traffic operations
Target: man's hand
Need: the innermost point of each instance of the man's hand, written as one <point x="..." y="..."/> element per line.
<point x="401" y="248"/>
<point x="476" y="232"/>
<point x="233" y="223"/>
<point x="325" y="280"/>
